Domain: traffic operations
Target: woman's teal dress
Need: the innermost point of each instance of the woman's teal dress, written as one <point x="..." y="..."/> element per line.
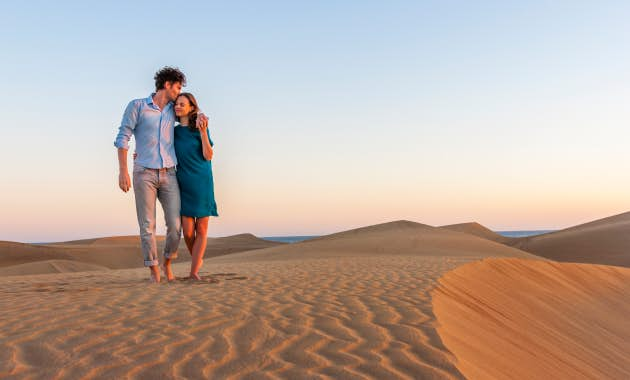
<point x="194" y="174"/>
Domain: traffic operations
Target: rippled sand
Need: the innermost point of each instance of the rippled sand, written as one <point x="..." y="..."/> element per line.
<point x="343" y="318"/>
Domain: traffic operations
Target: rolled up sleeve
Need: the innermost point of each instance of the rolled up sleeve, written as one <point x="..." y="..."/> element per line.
<point x="127" y="125"/>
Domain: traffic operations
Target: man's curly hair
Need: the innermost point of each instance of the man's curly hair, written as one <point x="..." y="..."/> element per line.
<point x="168" y="74"/>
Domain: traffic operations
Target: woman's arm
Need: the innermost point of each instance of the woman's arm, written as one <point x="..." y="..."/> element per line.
<point x="205" y="144"/>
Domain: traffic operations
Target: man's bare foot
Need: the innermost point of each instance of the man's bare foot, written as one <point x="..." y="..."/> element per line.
<point x="155" y="274"/>
<point x="195" y="276"/>
<point x="168" y="272"/>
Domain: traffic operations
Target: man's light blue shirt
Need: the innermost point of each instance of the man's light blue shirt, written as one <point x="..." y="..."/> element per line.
<point x="154" y="131"/>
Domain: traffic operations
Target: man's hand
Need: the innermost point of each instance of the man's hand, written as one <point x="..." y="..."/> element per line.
<point x="124" y="182"/>
<point x="202" y="122"/>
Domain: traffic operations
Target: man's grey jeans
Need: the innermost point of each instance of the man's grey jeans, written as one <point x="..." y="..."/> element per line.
<point x="149" y="185"/>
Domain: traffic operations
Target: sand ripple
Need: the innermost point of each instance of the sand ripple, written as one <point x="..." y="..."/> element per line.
<point x="348" y="318"/>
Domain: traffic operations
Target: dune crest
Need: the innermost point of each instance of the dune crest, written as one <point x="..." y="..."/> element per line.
<point x="479" y="230"/>
<point x="394" y="238"/>
<point x="605" y="241"/>
<point x="526" y="319"/>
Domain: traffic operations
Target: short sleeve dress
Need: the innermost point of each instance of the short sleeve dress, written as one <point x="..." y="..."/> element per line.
<point x="194" y="174"/>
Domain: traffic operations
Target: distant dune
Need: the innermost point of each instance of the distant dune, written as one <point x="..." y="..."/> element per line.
<point x="118" y="252"/>
<point x="604" y="241"/>
<point x="49" y="266"/>
<point x="393" y="238"/>
<point x="526" y="319"/>
<point x="111" y="240"/>
<point x="477" y="229"/>
<point x="12" y="253"/>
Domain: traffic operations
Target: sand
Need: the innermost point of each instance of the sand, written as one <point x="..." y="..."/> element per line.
<point x="400" y="300"/>
<point x="394" y="238"/>
<point x="117" y="252"/>
<point x="604" y="241"/>
<point x="357" y="310"/>
<point x="50" y="266"/>
<point x="524" y="319"/>
<point x="474" y="228"/>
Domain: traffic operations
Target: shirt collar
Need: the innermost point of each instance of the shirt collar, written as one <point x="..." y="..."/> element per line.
<point x="150" y="101"/>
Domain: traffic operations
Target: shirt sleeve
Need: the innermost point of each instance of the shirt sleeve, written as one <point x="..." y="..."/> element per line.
<point x="127" y="125"/>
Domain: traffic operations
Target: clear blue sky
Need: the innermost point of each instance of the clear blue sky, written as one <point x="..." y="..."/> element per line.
<point x="326" y="115"/>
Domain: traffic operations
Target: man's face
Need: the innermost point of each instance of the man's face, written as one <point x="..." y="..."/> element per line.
<point x="172" y="90"/>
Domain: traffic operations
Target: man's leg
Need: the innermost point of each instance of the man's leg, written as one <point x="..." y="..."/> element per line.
<point x="145" y="190"/>
<point x="168" y="194"/>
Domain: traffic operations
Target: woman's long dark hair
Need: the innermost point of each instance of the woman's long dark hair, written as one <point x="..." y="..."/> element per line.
<point x="192" y="116"/>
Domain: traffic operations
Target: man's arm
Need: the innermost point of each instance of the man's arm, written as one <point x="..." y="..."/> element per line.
<point x="124" y="181"/>
<point x="127" y="125"/>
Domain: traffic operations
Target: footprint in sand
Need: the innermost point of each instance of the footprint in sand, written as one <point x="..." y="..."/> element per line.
<point x="229" y="276"/>
<point x="204" y="280"/>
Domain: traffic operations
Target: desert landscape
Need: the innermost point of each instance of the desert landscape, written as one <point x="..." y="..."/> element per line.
<point x="400" y="300"/>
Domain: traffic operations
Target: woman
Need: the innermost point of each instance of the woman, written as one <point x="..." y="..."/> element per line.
<point x="193" y="148"/>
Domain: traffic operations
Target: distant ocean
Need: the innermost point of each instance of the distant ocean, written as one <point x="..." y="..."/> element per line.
<point x="514" y="234"/>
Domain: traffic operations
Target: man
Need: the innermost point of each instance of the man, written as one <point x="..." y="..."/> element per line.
<point x="151" y="121"/>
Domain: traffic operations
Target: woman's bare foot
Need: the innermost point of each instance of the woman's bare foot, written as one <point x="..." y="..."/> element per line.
<point x="168" y="272"/>
<point x="155" y="274"/>
<point x="195" y="276"/>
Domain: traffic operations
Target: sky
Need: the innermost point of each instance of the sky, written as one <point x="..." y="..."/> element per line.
<point x="326" y="115"/>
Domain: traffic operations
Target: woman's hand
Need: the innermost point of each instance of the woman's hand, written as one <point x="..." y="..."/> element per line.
<point x="202" y="122"/>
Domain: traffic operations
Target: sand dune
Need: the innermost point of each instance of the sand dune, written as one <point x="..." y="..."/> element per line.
<point x="352" y="305"/>
<point x="12" y="253"/>
<point x="394" y="238"/>
<point x="117" y="252"/>
<point x="49" y="266"/>
<point x="110" y="240"/>
<point x="605" y="241"/>
<point x="477" y="229"/>
<point x="525" y="319"/>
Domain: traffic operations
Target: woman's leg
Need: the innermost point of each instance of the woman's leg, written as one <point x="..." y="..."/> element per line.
<point x="199" y="246"/>
<point x="188" y="225"/>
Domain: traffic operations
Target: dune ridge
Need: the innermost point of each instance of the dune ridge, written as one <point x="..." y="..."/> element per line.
<point x="474" y="228"/>
<point x="525" y="319"/>
<point x="605" y="241"/>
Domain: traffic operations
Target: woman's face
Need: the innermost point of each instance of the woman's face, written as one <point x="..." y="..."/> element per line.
<point x="182" y="106"/>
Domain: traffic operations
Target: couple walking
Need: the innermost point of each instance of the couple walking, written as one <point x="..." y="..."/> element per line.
<point x="172" y="164"/>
